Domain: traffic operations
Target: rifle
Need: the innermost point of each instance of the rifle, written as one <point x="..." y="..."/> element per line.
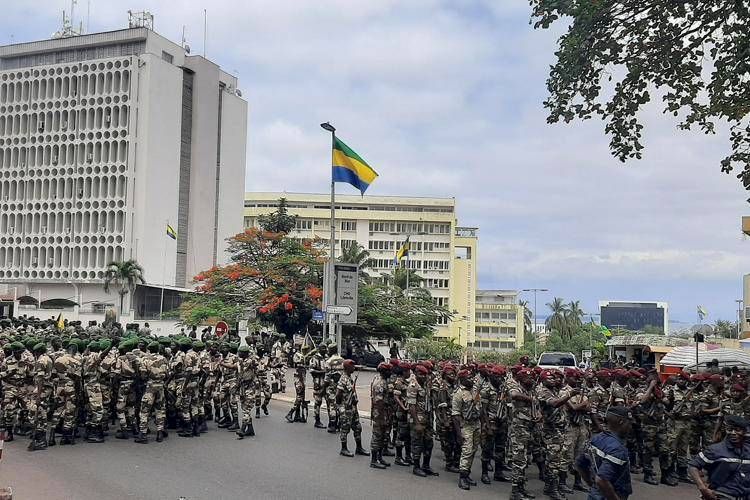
<point x="354" y="391"/>
<point x="685" y="399"/>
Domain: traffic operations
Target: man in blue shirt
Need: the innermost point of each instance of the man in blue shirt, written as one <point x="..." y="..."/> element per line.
<point x="727" y="464"/>
<point x="604" y="465"/>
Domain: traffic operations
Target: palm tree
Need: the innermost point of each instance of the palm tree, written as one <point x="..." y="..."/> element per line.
<point x="573" y="317"/>
<point x="557" y="321"/>
<point x="124" y="276"/>
<point x="399" y="278"/>
<point x="354" y="253"/>
<point x="527" y="319"/>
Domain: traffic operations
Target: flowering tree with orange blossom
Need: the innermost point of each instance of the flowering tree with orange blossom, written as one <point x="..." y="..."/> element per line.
<point x="278" y="277"/>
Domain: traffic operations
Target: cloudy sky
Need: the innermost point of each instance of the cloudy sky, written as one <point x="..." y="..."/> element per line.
<point x="444" y="98"/>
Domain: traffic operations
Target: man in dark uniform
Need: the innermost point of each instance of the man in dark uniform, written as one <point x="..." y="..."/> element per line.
<point x="727" y="464"/>
<point x="605" y="466"/>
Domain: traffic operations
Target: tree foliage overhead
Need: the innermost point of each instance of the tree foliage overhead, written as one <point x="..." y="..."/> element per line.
<point x="616" y="52"/>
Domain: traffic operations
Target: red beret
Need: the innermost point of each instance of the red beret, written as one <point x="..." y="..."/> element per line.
<point x="571" y="372"/>
<point x="604" y="373"/>
<point x="515" y="368"/>
<point x="421" y="370"/>
<point x="620" y="373"/>
<point x="449" y="368"/>
<point x="684" y="375"/>
<point x="405" y="365"/>
<point x="635" y="374"/>
<point x="385" y="366"/>
<point x="738" y="387"/>
<point x="698" y="377"/>
<point x="427" y="364"/>
<point x="547" y="374"/>
<point x="716" y="378"/>
<point x="498" y="371"/>
<point x="537" y="369"/>
<point x="464" y="374"/>
<point x="525" y="372"/>
<point x="349" y="362"/>
<point x="395" y="362"/>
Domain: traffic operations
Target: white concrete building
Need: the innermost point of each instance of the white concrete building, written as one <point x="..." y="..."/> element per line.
<point x="104" y="139"/>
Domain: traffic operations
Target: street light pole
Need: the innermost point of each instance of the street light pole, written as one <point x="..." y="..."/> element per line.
<point x="329" y="284"/>
<point x="535" y="290"/>
<point x="740" y="306"/>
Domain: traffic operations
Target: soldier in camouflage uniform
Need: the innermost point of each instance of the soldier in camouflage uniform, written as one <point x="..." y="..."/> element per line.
<point x="228" y="387"/>
<point x="154" y="369"/>
<point x="334" y="367"/>
<point x="552" y="404"/>
<point x="442" y="391"/>
<point x="92" y="386"/>
<point x="13" y="379"/>
<point x="211" y="384"/>
<point x="466" y="409"/>
<point x="490" y="396"/>
<point x="651" y="403"/>
<point x="524" y="414"/>
<point x="577" y="410"/>
<point x="599" y="400"/>
<point x="346" y="399"/>
<point x="125" y="371"/>
<point x="263" y="394"/>
<point x="402" y="374"/>
<point x="379" y="418"/>
<point x="419" y="401"/>
<point x="39" y="404"/>
<point x="68" y="371"/>
<point x="248" y="381"/>
<point x="680" y="413"/>
<point x="318" y="371"/>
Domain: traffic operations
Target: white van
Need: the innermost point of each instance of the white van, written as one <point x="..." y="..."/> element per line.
<point x="557" y="360"/>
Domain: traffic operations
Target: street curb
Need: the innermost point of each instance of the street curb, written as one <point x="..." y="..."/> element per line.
<point x="286" y="399"/>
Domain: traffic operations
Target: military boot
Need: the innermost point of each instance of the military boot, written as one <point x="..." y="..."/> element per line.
<point x="51" y="441"/>
<point x="400" y="457"/>
<point x="141" y="438"/>
<point x="417" y="469"/>
<point x="241" y="431"/>
<point x="159" y="436"/>
<point x="540" y="466"/>
<point x="564" y="488"/>
<point x="470" y="480"/>
<point x="332" y="425"/>
<point x="669" y="476"/>
<point x="318" y="423"/>
<point x="387" y="452"/>
<point x="185" y="430"/>
<point x="265" y="408"/>
<point x="203" y="426"/>
<point x="500" y="475"/>
<point x="290" y="416"/>
<point x="345" y="450"/>
<point x="359" y="450"/>
<point x="485" y="472"/>
<point x="95" y="435"/>
<point x="298" y="415"/>
<point x="381" y="461"/>
<point x="463" y="483"/>
<point x="554" y="487"/>
<point x="649" y="477"/>
<point x="450" y="464"/>
<point x="682" y="475"/>
<point x="234" y="425"/>
<point x="208" y="410"/>
<point x="374" y="461"/>
<point x="257" y="412"/>
<point x="38" y="441"/>
<point x="224" y="421"/>
<point x="577" y="484"/>
<point x="67" y="438"/>
<point x="250" y="430"/>
<point x="122" y="433"/>
<point x="426" y="465"/>
<point x="517" y="493"/>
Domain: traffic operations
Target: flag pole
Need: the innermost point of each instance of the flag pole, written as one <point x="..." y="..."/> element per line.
<point x="329" y="285"/>
<point x="163" y="272"/>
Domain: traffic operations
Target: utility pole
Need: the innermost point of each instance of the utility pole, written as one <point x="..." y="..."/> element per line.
<point x="535" y="290"/>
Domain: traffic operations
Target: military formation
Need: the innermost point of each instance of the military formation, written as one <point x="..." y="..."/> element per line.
<point x="518" y="415"/>
<point x="61" y="382"/>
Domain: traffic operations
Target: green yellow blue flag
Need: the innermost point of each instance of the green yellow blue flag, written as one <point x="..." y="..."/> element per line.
<point x="171" y="232"/>
<point x="349" y="167"/>
<point x="402" y="252"/>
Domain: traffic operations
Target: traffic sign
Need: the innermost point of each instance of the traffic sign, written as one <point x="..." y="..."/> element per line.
<point x="221" y="328"/>
<point x="339" y="310"/>
<point x="318" y="315"/>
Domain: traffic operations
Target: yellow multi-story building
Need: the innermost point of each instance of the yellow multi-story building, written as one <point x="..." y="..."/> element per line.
<point x="498" y="321"/>
<point x="442" y="253"/>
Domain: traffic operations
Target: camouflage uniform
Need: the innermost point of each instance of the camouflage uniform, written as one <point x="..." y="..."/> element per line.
<point x="317" y="370"/>
<point x="523" y="417"/>
<point x="125" y="371"/>
<point x="348" y="414"/>
<point x="13" y="377"/>
<point x="263" y="392"/>
<point x="403" y="438"/>
<point x="334" y="366"/>
<point x="680" y="428"/>
<point x="466" y="406"/>
<point x="490" y="397"/>
<point x="68" y="370"/>
<point x="442" y="399"/>
<point x="420" y="428"/>
<point x="654" y="434"/>
<point x="92" y="386"/>
<point x="39" y="404"/>
<point x="599" y="398"/>
<point x="229" y="388"/>
<point x="247" y="380"/>
<point x="154" y="370"/>
<point x="378" y="395"/>
<point x="577" y="432"/>
<point x="553" y="430"/>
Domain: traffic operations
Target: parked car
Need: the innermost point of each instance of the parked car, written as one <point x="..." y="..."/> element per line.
<point x="363" y="353"/>
<point x="557" y="360"/>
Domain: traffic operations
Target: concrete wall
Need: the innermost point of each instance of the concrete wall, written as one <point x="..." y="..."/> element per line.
<point x="156" y="167"/>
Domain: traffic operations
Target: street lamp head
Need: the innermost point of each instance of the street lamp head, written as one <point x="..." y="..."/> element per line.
<point x="327" y="126"/>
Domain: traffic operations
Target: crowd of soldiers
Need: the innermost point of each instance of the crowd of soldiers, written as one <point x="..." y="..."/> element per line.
<point x="64" y="380"/>
<point x="516" y="415"/>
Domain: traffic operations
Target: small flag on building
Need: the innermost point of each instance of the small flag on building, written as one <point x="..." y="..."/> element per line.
<point x="60" y="322"/>
<point x="349" y="167"/>
<point x="171" y="232"/>
<point x="402" y="252"/>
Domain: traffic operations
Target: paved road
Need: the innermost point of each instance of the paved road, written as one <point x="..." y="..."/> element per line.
<point x="285" y="461"/>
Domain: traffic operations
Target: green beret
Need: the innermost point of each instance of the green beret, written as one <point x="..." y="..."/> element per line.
<point x="40" y="347"/>
<point x="17" y="346"/>
<point x="184" y="342"/>
<point x="95" y="346"/>
<point x="105" y="344"/>
<point x="82" y="344"/>
<point x="30" y="342"/>
<point x="244" y="348"/>
<point x="154" y="345"/>
<point x="198" y="345"/>
<point x="165" y="341"/>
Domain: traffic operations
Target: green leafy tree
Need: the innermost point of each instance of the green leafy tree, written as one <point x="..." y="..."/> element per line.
<point x="527" y="318"/>
<point x="124" y="276"/>
<point x="573" y="317"/>
<point x="725" y="329"/>
<point x="280" y="221"/>
<point x="653" y="330"/>
<point x="399" y="278"/>
<point x="557" y="321"/>
<point x="617" y="54"/>
<point x="354" y="253"/>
